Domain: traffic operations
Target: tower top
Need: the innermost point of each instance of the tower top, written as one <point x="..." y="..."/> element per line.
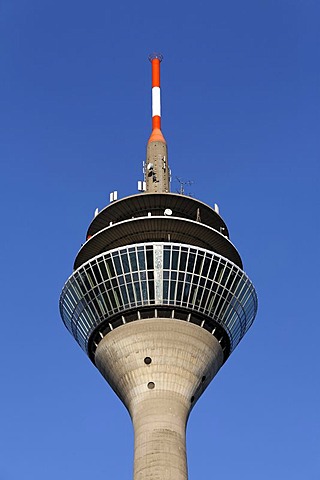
<point x="154" y="56"/>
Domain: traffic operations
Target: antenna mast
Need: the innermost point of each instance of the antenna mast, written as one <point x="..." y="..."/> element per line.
<point x="157" y="172"/>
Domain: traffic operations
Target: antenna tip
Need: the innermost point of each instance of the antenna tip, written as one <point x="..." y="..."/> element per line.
<point x="154" y="55"/>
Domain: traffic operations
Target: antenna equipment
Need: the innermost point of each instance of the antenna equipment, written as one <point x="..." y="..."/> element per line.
<point x="183" y="184"/>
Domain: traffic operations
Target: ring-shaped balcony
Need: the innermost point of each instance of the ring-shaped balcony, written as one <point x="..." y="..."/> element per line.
<point x="160" y="274"/>
<point x="156" y="204"/>
<point x="157" y="229"/>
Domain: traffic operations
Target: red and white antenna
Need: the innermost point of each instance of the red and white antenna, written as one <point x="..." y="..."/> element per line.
<point x="156" y="168"/>
<point x="156" y="135"/>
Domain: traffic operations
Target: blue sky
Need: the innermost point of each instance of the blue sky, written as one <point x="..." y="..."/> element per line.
<point x="240" y="91"/>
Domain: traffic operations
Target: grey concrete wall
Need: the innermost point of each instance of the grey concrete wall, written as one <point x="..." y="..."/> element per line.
<point x="157" y="178"/>
<point x="159" y="368"/>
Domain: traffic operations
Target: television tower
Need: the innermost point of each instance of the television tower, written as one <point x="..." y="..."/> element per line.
<point x="158" y="300"/>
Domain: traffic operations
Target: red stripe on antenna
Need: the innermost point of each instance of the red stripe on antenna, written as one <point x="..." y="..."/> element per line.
<point x="155" y="63"/>
<point x="156" y="122"/>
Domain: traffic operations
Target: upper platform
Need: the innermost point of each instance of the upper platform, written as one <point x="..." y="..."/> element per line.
<point x="157" y="217"/>
<point x="141" y="205"/>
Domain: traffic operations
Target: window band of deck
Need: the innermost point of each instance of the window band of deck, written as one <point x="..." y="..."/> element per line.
<point x="178" y="276"/>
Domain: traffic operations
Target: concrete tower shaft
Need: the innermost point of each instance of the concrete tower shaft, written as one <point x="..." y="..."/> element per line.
<point x="159" y="368"/>
<point x="157" y="173"/>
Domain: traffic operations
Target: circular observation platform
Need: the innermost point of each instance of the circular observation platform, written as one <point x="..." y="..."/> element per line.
<point x="156" y="204"/>
<point x="160" y="280"/>
<point x="157" y="229"/>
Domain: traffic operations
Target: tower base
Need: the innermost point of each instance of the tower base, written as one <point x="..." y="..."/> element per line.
<point x="159" y="368"/>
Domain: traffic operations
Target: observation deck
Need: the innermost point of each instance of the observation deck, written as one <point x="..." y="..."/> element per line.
<point x="158" y="256"/>
<point x="159" y="217"/>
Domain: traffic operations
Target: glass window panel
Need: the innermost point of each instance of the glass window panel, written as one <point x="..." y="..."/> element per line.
<point x="217" y="306"/>
<point x="230" y="280"/>
<point x="76" y="288"/>
<point x="144" y="290"/>
<point x="149" y="253"/>
<point x="117" y="264"/>
<point x="198" y="265"/>
<point x="193" y="293"/>
<point x="209" y="306"/>
<point x="151" y="289"/>
<point x="125" y="262"/>
<point x="95" y="307"/>
<point x="186" y="291"/>
<point x="83" y="282"/>
<point x="137" y="291"/>
<point x="112" y="299"/>
<point x="219" y="289"/>
<point x="179" y="292"/>
<point x="124" y="295"/>
<point x="90" y="295"/>
<point x="97" y="273"/>
<point x="117" y="297"/>
<point x="90" y="277"/>
<point x="183" y="261"/>
<point x="166" y="258"/>
<point x="109" y="266"/>
<point x="135" y="277"/>
<point x="214" y="272"/>
<point x="191" y="262"/>
<point x="131" y="294"/>
<point x="225" y="275"/>
<point x="72" y="294"/>
<point x="240" y="287"/>
<point x="206" y="265"/>
<point x="172" y="289"/>
<point x="101" y="305"/>
<point x="107" y="301"/>
<point x="133" y="261"/>
<point x="199" y="295"/>
<point x="165" y="290"/>
<point x="103" y="269"/>
<point x="79" y="284"/>
<point x="174" y="260"/>
<point x="141" y="260"/>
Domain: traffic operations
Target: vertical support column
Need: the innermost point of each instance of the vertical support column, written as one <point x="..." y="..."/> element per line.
<point x="158" y="273"/>
<point x="160" y="438"/>
<point x="159" y="367"/>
